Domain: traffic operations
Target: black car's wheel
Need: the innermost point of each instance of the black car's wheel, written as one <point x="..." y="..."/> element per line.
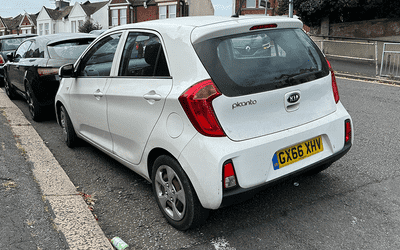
<point x="175" y="195"/>
<point x="34" y="108"/>
<point x="9" y="90"/>
<point x="69" y="134"/>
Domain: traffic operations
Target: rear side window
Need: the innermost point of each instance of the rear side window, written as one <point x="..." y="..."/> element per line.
<point x="143" y="56"/>
<point x="266" y="60"/>
<point x="70" y="49"/>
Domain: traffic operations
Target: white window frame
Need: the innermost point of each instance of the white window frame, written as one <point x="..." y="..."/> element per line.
<point x="123" y="16"/>
<point x="40" y="29"/>
<point x="162" y="12"/>
<point x="46" y="28"/>
<point x="54" y="28"/>
<point x="172" y="11"/>
<point x="73" y="26"/>
<point x="114" y="19"/>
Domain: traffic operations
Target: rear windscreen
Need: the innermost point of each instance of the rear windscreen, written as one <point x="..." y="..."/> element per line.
<point x="70" y="49"/>
<point x="256" y="62"/>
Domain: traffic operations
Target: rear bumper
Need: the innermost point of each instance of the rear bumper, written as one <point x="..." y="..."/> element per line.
<point x="241" y="194"/>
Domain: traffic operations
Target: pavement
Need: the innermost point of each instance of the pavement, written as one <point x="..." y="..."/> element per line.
<point x="40" y="208"/>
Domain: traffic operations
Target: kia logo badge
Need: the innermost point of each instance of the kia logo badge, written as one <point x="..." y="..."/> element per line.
<point x="293" y="98"/>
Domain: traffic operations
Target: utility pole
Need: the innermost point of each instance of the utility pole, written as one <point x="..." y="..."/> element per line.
<point x="291" y="8"/>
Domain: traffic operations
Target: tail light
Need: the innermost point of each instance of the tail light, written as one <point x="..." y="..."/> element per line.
<point x="47" y="71"/>
<point x="347" y="128"/>
<point x="334" y="84"/>
<point x="2" y="61"/>
<point x="229" y="176"/>
<point x="196" y="101"/>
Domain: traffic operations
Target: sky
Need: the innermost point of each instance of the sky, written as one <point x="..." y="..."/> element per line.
<point x="11" y="8"/>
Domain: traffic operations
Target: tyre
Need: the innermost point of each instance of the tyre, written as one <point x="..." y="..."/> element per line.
<point x="69" y="135"/>
<point x="34" y="108"/>
<point x="175" y="195"/>
<point x="9" y="90"/>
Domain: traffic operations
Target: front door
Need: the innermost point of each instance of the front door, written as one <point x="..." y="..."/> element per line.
<point x="87" y="93"/>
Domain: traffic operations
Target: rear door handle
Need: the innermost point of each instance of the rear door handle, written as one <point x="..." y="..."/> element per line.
<point x="152" y="96"/>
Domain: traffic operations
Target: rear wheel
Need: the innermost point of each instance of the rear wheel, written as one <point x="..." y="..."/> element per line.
<point x="69" y="134"/>
<point x="9" y="90"/>
<point x="175" y="195"/>
<point x="34" y="108"/>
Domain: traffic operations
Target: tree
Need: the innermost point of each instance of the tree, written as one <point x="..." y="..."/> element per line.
<point x="88" y="26"/>
<point x="311" y="12"/>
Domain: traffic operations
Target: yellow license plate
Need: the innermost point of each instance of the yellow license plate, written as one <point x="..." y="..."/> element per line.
<point x="298" y="152"/>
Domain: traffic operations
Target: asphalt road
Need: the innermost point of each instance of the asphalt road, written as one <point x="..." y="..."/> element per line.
<point x="354" y="204"/>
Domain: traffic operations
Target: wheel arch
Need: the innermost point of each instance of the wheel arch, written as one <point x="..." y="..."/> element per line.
<point x="153" y="155"/>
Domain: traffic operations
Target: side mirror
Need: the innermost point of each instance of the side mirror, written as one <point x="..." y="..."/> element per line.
<point x="66" y="71"/>
<point x="10" y="56"/>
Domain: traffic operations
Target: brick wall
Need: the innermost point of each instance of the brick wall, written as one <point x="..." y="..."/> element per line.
<point x="363" y="29"/>
<point x="151" y="13"/>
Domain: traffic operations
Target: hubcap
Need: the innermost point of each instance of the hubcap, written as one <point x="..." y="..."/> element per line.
<point x="170" y="192"/>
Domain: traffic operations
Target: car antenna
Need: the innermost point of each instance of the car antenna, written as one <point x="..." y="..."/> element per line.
<point x="239" y="10"/>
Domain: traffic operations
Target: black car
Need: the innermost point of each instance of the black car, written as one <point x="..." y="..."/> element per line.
<point x="9" y="43"/>
<point x="32" y="70"/>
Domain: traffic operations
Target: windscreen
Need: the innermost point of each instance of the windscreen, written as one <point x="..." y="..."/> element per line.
<point x="256" y="62"/>
<point x="70" y="49"/>
<point x="11" y="44"/>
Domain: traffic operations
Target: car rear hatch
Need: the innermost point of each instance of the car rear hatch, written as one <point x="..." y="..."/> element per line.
<point x="272" y="78"/>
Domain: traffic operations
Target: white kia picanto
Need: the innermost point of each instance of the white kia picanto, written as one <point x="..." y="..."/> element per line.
<point x="209" y="109"/>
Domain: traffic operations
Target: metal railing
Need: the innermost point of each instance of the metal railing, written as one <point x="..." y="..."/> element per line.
<point x="390" y="63"/>
<point x="353" y="54"/>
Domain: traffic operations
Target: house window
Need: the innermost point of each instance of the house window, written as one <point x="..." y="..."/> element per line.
<point x="114" y="17"/>
<point x="73" y="26"/>
<point x="163" y="12"/>
<point x="171" y="11"/>
<point x="167" y="11"/>
<point x="41" y="29"/>
<point x="251" y="3"/>
<point x="46" y="29"/>
<point x="54" y="28"/>
<point x="122" y="17"/>
<point x="80" y="23"/>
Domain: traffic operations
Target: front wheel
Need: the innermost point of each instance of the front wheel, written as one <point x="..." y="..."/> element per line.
<point x="175" y="195"/>
<point x="69" y="134"/>
<point x="9" y="90"/>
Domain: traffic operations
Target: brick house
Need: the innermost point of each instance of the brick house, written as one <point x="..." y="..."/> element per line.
<point x="21" y="24"/>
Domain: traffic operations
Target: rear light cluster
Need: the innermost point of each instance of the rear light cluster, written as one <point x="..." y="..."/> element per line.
<point x="47" y="71"/>
<point x="197" y="103"/>
<point x="334" y="84"/>
<point x="347" y="134"/>
<point x="2" y="61"/>
<point x="229" y="180"/>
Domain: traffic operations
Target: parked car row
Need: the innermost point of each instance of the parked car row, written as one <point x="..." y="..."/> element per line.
<point x="208" y="109"/>
<point x="32" y="70"/>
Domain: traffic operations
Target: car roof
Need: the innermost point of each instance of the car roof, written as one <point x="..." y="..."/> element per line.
<point x="17" y="36"/>
<point x="209" y="25"/>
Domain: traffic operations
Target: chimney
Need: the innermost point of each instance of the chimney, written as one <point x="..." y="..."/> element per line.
<point x="60" y="4"/>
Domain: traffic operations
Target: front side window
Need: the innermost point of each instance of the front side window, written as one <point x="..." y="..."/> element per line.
<point x="22" y="50"/>
<point x="261" y="61"/>
<point x="98" y="61"/>
<point x="143" y="56"/>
